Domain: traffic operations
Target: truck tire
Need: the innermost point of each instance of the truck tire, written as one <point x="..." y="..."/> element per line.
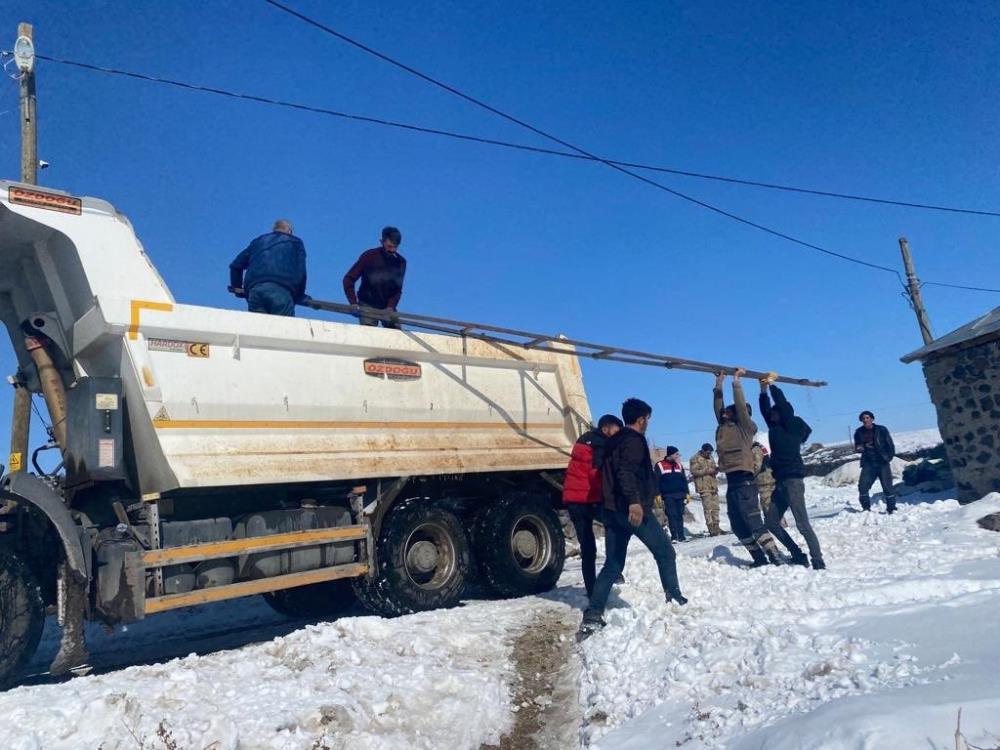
<point x="520" y="546"/>
<point x="423" y="561"/>
<point x="318" y="600"/>
<point x="22" y="616"/>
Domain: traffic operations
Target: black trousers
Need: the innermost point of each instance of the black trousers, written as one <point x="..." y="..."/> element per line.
<point x="583" y="516"/>
<point x="743" y="509"/>
<point x="673" y="505"/>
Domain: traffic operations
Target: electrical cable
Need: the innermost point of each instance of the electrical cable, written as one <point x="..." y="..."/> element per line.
<point x="581" y="155"/>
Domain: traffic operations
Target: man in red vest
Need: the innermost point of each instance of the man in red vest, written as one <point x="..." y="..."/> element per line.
<point x="582" y="491"/>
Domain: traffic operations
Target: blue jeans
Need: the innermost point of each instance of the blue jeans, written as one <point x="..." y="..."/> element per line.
<point x="617" y="534"/>
<point x="273" y="299"/>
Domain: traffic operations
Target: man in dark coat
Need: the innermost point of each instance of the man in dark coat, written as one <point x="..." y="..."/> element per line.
<point x="786" y="435"/>
<point x="381" y="271"/>
<point x="629" y="487"/>
<point x="877" y="450"/>
<point x="673" y="485"/>
<point x="582" y="491"/>
<point x="271" y="272"/>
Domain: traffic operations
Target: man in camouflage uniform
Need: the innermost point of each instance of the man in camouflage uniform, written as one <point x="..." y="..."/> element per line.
<point x="705" y="472"/>
<point x="765" y="479"/>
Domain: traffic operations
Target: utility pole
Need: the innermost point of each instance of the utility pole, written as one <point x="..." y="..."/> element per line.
<point x="24" y="55"/>
<point x="913" y="292"/>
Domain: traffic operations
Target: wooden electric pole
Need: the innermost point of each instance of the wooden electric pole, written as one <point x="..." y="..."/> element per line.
<point x="29" y="123"/>
<point x="913" y="292"/>
<point x="21" y="417"/>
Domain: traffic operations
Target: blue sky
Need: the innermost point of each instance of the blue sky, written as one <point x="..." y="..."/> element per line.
<point x="897" y="100"/>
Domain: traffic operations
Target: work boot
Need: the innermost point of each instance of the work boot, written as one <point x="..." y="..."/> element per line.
<point x="677" y="597"/>
<point x="818" y="563"/>
<point x="774" y="558"/>
<point x="866" y="504"/>
<point x="759" y="558"/>
<point x="890" y="505"/>
<point x="592" y="620"/>
<point x="799" y="558"/>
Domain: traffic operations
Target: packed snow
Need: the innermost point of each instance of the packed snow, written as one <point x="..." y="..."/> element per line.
<point x="880" y="650"/>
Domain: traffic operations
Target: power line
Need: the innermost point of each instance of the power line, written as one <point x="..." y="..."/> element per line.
<point x="522" y="146"/>
<point x="566" y="144"/>
<point x="582" y="155"/>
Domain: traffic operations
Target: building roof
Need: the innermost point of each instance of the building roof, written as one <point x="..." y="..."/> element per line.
<point x="986" y="327"/>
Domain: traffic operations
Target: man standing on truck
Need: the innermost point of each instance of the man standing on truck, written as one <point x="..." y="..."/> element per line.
<point x="629" y="486"/>
<point x="705" y="472"/>
<point x="381" y="271"/>
<point x="877" y="450"/>
<point x="582" y="491"/>
<point x="275" y="272"/>
<point x="734" y="440"/>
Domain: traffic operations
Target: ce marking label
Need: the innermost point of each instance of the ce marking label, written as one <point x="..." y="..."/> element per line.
<point x="198" y="350"/>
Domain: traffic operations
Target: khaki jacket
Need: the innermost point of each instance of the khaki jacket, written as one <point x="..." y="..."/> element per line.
<point x="764" y="476"/>
<point x="703" y="471"/>
<point x="734" y="440"/>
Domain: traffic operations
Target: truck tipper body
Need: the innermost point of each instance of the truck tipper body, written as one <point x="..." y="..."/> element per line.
<point x="208" y="454"/>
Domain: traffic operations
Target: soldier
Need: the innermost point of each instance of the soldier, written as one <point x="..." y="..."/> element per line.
<point x="705" y="472"/>
<point x="765" y="478"/>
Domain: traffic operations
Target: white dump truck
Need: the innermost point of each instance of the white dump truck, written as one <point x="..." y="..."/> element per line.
<point x="208" y="454"/>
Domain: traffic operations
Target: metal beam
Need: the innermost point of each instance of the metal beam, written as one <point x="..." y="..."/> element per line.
<point x="557" y="344"/>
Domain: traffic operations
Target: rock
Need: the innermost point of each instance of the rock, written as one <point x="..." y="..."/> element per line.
<point x="990" y="522"/>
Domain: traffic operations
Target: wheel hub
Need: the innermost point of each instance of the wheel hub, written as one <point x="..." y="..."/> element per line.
<point x="422" y="556"/>
<point x="525" y="544"/>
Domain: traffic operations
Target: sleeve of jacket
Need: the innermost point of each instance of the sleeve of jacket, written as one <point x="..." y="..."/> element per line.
<point x="597" y="448"/>
<point x="781" y="404"/>
<point x="300" y="262"/>
<point x="742" y="414"/>
<point x="717" y="403"/>
<point x="351" y="278"/>
<point x="693" y="465"/>
<point x="857" y="439"/>
<point x="237" y="267"/>
<point x="764" y="404"/>
<point x="393" y="302"/>
<point x="889" y="444"/>
<point x="630" y="458"/>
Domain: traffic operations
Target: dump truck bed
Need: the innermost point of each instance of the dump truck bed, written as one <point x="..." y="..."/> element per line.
<point x="224" y="398"/>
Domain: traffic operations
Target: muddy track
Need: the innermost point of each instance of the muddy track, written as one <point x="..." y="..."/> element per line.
<point x="545" y="689"/>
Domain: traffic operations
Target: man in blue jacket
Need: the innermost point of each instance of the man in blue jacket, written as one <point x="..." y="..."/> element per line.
<point x="275" y="272"/>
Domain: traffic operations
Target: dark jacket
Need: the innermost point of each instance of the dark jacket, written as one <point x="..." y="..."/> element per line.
<point x="881" y="450"/>
<point x="583" y="475"/>
<point x="734" y="440"/>
<point x="627" y="473"/>
<point x="672" y="479"/>
<point x="276" y="257"/>
<point x="786" y="437"/>
<point x="381" y="274"/>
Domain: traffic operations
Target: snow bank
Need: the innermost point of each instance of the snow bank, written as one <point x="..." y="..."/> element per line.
<point x="849" y="474"/>
<point x="879" y="650"/>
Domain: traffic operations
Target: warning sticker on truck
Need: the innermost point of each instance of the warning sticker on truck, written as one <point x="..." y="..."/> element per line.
<point x="392" y="369"/>
<point x="66" y="204"/>
<point x="190" y="348"/>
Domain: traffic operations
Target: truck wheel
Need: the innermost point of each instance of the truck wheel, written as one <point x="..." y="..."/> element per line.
<point x="520" y="546"/>
<point x="423" y="561"/>
<point x="326" y="599"/>
<point x="22" y="616"/>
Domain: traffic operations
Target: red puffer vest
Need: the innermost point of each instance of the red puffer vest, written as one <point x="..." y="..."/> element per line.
<point x="583" y="481"/>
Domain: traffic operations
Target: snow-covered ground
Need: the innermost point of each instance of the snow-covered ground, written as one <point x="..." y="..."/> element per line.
<point x="878" y="651"/>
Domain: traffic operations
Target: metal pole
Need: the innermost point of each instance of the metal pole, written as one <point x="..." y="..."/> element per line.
<point x="20" y="428"/>
<point x="913" y="292"/>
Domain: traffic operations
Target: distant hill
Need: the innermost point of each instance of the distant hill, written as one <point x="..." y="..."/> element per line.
<point x="821" y="459"/>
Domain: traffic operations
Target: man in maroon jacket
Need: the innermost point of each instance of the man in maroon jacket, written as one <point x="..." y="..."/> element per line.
<point x="582" y="491"/>
<point x="381" y="271"/>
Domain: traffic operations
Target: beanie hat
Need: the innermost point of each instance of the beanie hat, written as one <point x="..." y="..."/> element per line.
<point x="707" y="447"/>
<point x="671" y="450"/>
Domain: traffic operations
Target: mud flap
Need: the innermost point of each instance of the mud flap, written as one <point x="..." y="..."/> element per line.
<point x="72" y="603"/>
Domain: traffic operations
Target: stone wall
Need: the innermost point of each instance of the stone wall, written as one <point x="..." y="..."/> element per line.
<point x="965" y="389"/>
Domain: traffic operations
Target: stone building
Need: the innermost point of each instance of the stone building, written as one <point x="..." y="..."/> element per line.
<point x="962" y="371"/>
